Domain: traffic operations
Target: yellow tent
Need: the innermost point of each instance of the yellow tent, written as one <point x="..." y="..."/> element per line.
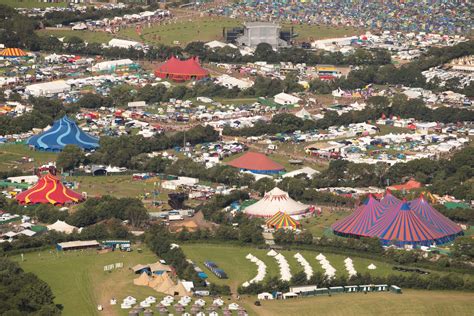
<point x="143" y="279"/>
<point x="165" y="285"/>
<point x="178" y="289"/>
<point x="155" y="281"/>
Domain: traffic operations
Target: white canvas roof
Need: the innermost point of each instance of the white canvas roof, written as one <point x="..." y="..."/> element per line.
<point x="305" y="170"/>
<point x="115" y="42"/>
<point x="107" y="65"/>
<point x="285" y="98"/>
<point x="303" y="114"/>
<point x="61" y="226"/>
<point x="78" y="243"/>
<point x="137" y="104"/>
<point x="275" y="201"/>
<point x="47" y="88"/>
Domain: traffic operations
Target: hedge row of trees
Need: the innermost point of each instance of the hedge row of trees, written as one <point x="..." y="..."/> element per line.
<point x="399" y="106"/>
<point x="445" y="176"/>
<point x="159" y="241"/>
<point x="433" y="281"/>
<point x="408" y="75"/>
<point x="126" y="150"/>
<point x="101" y="218"/>
<point x="45" y="111"/>
<point x="24" y="293"/>
<point x="265" y="52"/>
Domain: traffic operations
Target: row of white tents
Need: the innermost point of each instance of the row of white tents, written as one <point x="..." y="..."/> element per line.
<point x="350" y="267"/>
<point x="308" y="269"/>
<point x="261" y="270"/>
<point x="329" y="270"/>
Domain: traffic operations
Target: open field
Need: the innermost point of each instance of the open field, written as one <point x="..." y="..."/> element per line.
<point x="211" y="28"/>
<point x="11" y="154"/>
<point x="117" y="185"/>
<point x="232" y="260"/>
<point x="31" y="4"/>
<point x="87" y="36"/>
<point x="200" y="29"/>
<point x="320" y="225"/>
<point x="79" y="283"/>
<point x="315" y="32"/>
<point x="78" y="279"/>
<point x="411" y="302"/>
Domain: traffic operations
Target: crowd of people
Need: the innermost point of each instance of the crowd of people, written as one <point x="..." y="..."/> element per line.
<point x="433" y="16"/>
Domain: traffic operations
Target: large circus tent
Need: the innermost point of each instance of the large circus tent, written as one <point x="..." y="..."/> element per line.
<point x="256" y="163"/>
<point x="12" y="53"/>
<point x="181" y="70"/>
<point x="282" y="220"/>
<point x="398" y="222"/>
<point x="276" y="201"/>
<point x="49" y="189"/>
<point x="63" y="132"/>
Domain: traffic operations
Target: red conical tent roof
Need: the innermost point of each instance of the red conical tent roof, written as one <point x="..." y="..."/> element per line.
<point x="410" y="185"/>
<point x="402" y="224"/>
<point x="177" y="69"/>
<point x="253" y="161"/>
<point x="361" y="220"/>
<point x="430" y="215"/>
<point x="49" y="189"/>
<point x="389" y="199"/>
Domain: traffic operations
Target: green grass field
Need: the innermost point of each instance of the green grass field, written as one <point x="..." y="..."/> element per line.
<point x="87" y="36"/>
<point x="201" y="29"/>
<point x="11" y="154"/>
<point x="31" y="4"/>
<point x="320" y="225"/>
<point x="232" y="260"/>
<point x="79" y="283"/>
<point x="411" y="302"/>
<point x="315" y="32"/>
<point x="210" y="28"/>
<point x="116" y="185"/>
<point x="78" y="279"/>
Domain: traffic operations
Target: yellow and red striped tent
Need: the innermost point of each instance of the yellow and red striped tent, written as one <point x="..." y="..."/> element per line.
<point x="12" y="52"/>
<point x="282" y="220"/>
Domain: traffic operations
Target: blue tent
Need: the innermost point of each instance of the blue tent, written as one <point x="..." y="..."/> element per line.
<point x="63" y="132"/>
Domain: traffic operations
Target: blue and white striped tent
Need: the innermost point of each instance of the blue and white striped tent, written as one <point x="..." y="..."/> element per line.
<point x="63" y="132"/>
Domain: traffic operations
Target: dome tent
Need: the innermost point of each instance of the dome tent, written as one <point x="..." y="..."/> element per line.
<point x="276" y="201"/>
<point x="63" y="132"/>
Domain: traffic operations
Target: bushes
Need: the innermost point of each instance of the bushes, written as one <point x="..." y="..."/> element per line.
<point x="158" y="240"/>
<point x="23" y="293"/>
<point x="431" y="282"/>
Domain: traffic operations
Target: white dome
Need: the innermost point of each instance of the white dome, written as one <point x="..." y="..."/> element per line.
<point x="275" y="201"/>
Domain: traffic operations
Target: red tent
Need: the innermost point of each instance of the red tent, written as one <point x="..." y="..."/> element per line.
<point x="181" y="70"/>
<point x="410" y="185"/>
<point x="256" y="163"/>
<point x="49" y="189"/>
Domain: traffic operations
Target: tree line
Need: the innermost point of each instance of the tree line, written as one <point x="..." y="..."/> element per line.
<point x="100" y="217"/>
<point x="399" y="106"/>
<point x="24" y="293"/>
<point x="434" y="281"/>
<point x="408" y="75"/>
